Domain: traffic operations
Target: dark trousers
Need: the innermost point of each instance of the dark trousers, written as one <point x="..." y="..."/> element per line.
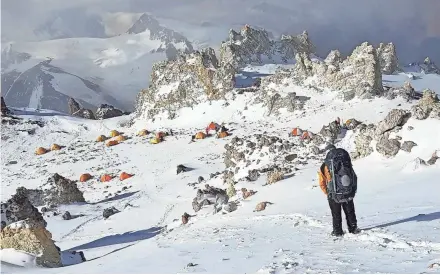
<point x="350" y="215"/>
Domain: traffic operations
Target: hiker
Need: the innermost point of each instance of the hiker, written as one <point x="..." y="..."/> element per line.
<point x="212" y="127"/>
<point x="338" y="181"/>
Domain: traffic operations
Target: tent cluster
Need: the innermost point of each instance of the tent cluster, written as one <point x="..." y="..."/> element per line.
<point x="220" y="131"/>
<point x="42" y="150"/>
<point x="105" y="177"/>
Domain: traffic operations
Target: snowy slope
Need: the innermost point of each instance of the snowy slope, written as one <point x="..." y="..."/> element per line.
<point x="396" y="204"/>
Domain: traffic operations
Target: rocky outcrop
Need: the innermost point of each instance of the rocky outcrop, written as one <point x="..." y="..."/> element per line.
<point x="107" y="111"/>
<point x="189" y="80"/>
<point x="428" y="106"/>
<point x="364" y="135"/>
<point x="59" y="190"/>
<point x="395" y="117"/>
<point x="358" y="75"/>
<point x="19" y="208"/>
<point x="73" y="105"/>
<point x="250" y="46"/>
<point x="31" y="237"/>
<point x="386" y="53"/>
<point x="427" y="67"/>
<point x="407" y="92"/>
<point x="275" y="100"/>
<point x="5" y="110"/>
<point x="265" y="153"/>
<point x="85" y="113"/>
<point x="210" y="196"/>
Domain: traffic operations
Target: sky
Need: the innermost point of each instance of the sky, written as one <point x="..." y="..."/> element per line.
<point x="414" y="26"/>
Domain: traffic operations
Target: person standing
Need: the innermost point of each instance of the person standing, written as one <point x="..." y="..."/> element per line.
<point x="338" y="181"/>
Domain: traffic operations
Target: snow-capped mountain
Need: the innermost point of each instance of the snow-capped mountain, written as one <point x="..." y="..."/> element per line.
<point x="157" y="32"/>
<point x="92" y="70"/>
<point x="50" y="87"/>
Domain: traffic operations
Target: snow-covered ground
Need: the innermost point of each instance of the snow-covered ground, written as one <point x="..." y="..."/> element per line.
<point x="397" y="205"/>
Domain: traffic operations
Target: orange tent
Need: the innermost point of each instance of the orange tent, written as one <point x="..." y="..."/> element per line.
<point x="125" y="176"/>
<point x="296" y="132"/>
<point x="85" y="177"/>
<point x="200" y="135"/>
<point x="222" y="134"/>
<point x="106" y="177"/>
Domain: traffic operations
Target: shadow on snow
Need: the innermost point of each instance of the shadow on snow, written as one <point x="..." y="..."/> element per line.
<point x="418" y="218"/>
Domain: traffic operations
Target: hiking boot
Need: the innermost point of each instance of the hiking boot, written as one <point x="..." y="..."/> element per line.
<point x="354" y="230"/>
<point x="337" y="233"/>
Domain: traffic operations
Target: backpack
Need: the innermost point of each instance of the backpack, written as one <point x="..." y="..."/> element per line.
<point x="343" y="184"/>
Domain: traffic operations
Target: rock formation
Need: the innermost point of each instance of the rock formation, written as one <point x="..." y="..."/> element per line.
<point x="75" y="109"/>
<point x="189" y="80"/>
<point x="107" y="111"/>
<point x="5" y="110"/>
<point x="252" y="45"/>
<point x="59" y="190"/>
<point x="428" y="106"/>
<point x="358" y="75"/>
<point x="19" y="208"/>
<point x="389" y="63"/>
<point x="31" y="237"/>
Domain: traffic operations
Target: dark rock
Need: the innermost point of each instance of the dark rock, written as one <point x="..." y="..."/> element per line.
<point x="181" y="169"/>
<point x="388" y="147"/>
<point x="107" y="111"/>
<point x="62" y="191"/>
<point x="408" y="145"/>
<point x="253" y="175"/>
<point x="66" y="216"/>
<point x="109" y="212"/>
<point x="19" y="208"/>
<point x="4" y="109"/>
<point x="410" y="128"/>
<point x="200" y="179"/>
<point x="85" y="113"/>
<point x="74" y="106"/>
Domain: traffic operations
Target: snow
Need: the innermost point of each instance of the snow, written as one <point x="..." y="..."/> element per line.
<point x="164" y="90"/>
<point x="17" y="258"/>
<point x="396" y="205"/>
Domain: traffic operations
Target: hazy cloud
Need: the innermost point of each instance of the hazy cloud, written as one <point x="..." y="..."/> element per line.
<point x="414" y="26"/>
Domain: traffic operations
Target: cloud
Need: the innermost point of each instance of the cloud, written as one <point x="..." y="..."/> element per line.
<point x="414" y="26"/>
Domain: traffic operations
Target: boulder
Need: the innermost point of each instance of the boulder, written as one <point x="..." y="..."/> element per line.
<point x="388" y="147"/>
<point x="60" y="190"/>
<point x="19" y="207"/>
<point x="274" y="176"/>
<point x="66" y="216"/>
<point x="386" y="53"/>
<point x="230" y="207"/>
<point x="31" y="237"/>
<point x="364" y="136"/>
<point x="109" y="212"/>
<point x="408" y="145"/>
<point x="433" y="159"/>
<point x="395" y="117"/>
<point x="107" y="111"/>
